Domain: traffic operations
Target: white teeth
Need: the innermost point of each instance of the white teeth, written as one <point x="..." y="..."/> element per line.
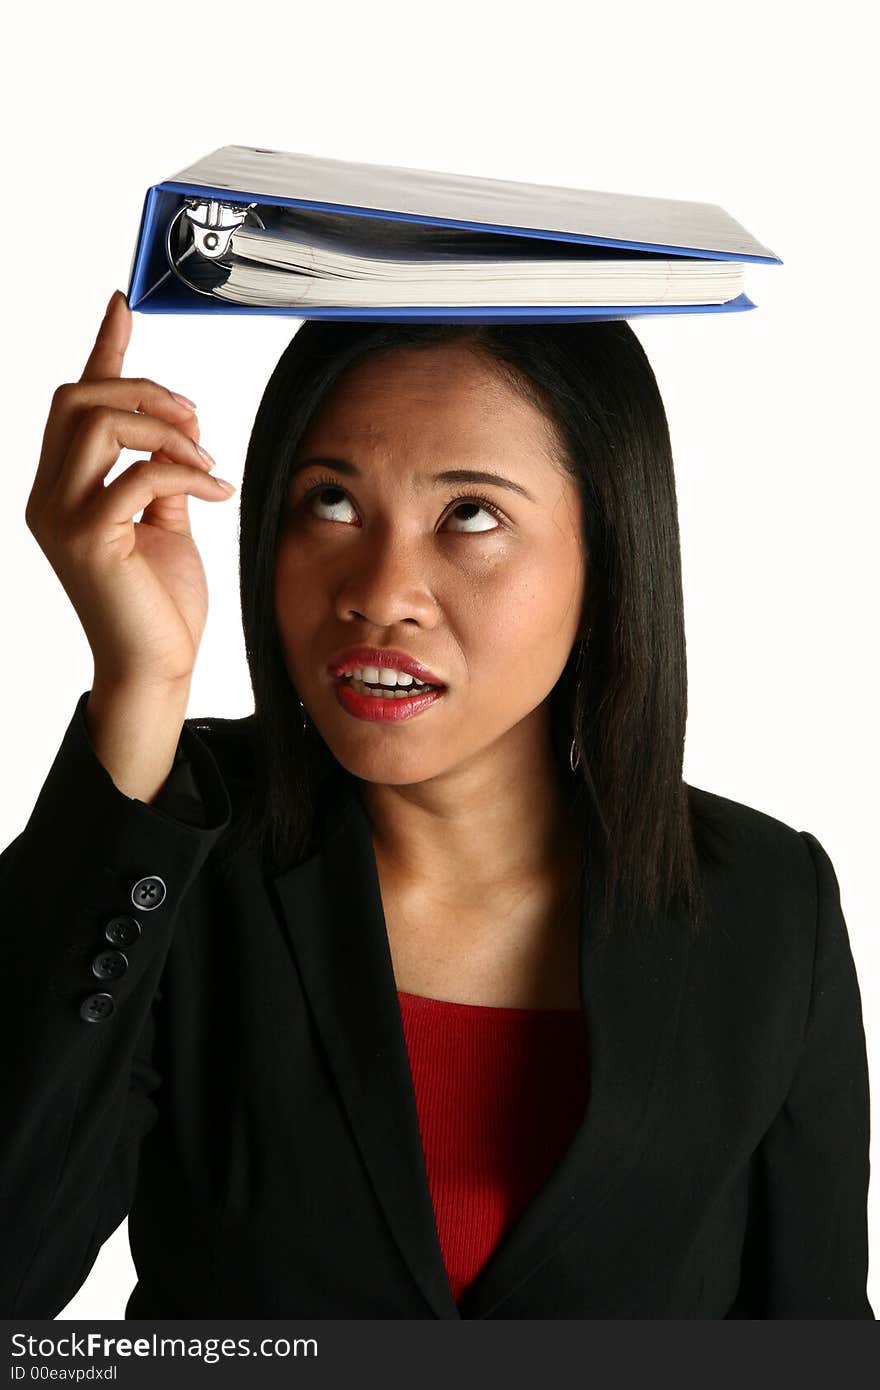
<point x="386" y="694"/>
<point x="385" y="675"/>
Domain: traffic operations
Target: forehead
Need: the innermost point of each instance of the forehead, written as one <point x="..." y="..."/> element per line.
<point x="447" y="396"/>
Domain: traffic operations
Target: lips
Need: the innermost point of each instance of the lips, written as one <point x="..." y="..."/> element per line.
<point x="351" y="657"/>
<point x="380" y="709"/>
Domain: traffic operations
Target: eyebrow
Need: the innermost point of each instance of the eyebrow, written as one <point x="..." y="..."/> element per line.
<point x="449" y="475"/>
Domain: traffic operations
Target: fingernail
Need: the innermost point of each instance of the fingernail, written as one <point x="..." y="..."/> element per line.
<point x="184" y="400"/>
<point x="112" y="300"/>
<point x="229" y="487"/>
<point x="205" y="455"/>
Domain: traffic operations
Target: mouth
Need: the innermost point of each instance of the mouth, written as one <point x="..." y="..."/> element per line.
<point x="387" y="704"/>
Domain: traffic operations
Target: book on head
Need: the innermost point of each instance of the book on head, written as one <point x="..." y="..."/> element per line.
<point x="248" y="230"/>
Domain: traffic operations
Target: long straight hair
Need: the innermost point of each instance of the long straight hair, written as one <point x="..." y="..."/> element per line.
<point x="626" y="703"/>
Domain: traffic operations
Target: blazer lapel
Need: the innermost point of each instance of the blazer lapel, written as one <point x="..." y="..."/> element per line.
<point x="630" y="985"/>
<point x="332" y="909"/>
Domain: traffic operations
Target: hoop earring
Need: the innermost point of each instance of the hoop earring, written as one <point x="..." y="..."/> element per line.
<point x="574" y="755"/>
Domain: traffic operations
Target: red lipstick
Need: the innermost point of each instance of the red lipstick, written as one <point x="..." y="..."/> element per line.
<point x="385" y="709"/>
<point x="350" y="658"/>
<point x="382" y="708"/>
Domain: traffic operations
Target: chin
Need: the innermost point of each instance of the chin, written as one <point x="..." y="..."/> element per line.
<point x="384" y="768"/>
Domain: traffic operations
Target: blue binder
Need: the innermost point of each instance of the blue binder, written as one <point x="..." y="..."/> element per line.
<point x="156" y="284"/>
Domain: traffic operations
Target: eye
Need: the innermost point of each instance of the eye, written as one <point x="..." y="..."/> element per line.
<point x="468" y="501"/>
<point x="322" y="487"/>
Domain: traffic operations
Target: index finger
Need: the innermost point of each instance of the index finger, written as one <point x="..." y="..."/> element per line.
<point x="105" y="358"/>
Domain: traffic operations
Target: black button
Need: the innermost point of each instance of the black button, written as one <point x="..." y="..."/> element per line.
<point x="122" y="931"/>
<point x="109" y="965"/>
<point x="148" y="893"/>
<point x="96" y="1007"/>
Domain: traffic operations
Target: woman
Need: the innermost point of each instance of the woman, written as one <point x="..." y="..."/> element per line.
<point x="449" y="1004"/>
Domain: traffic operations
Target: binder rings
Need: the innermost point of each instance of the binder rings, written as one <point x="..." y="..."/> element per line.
<point x="230" y="233"/>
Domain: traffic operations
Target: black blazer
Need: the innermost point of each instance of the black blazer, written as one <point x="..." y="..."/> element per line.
<point x="222" y="1057"/>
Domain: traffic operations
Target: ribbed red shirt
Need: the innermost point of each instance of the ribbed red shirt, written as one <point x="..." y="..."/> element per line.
<point x="499" y="1094"/>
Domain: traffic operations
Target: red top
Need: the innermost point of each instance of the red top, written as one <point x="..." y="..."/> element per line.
<point x="500" y="1094"/>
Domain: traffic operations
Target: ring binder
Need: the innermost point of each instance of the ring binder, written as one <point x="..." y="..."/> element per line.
<point x="247" y="230"/>
<point x="211" y="223"/>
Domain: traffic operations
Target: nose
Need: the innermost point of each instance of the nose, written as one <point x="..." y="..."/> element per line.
<point x="387" y="583"/>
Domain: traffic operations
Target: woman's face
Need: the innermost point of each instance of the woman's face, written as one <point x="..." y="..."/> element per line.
<point x="388" y="553"/>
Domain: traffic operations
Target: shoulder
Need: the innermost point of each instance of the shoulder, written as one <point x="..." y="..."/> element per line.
<point x="781" y="932"/>
<point x="753" y="859"/>
<point x="740" y="824"/>
<point x="774" y="900"/>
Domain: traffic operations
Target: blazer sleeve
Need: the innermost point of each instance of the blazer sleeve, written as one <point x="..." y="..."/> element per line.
<point x="806" y="1252"/>
<point x="91" y="890"/>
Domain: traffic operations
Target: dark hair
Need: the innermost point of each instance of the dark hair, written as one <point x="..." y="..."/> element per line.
<point x="595" y="384"/>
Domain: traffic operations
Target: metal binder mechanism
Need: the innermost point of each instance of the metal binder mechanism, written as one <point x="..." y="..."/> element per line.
<point x="201" y="231"/>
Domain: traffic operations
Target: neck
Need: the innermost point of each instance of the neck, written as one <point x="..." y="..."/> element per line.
<point x="473" y="835"/>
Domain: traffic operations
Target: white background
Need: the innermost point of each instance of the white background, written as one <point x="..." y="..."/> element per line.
<point x="763" y="108"/>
